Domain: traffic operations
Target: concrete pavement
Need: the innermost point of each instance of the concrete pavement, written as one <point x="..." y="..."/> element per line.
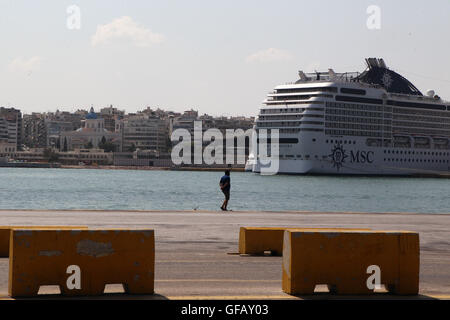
<point x="196" y="250"/>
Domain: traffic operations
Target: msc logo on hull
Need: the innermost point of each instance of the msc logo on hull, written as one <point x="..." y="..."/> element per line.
<point x="361" y="156"/>
<point x="339" y="155"/>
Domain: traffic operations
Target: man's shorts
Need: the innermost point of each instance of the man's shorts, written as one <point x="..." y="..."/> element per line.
<point x="227" y="194"/>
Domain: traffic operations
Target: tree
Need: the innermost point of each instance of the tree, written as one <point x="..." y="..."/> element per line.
<point x="132" y="148"/>
<point x="65" y="145"/>
<point x="89" y="145"/>
<point x="106" y="146"/>
<point x="102" y="143"/>
<point x="168" y="144"/>
<point x="50" y="155"/>
<point x="109" y="147"/>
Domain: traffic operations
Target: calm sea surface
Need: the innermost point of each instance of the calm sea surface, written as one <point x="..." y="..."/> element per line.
<point x="22" y="188"/>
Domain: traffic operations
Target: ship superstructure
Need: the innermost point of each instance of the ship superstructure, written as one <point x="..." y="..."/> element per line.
<point x="374" y="122"/>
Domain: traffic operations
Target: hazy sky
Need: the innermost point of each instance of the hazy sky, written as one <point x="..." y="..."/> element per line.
<point x="219" y="57"/>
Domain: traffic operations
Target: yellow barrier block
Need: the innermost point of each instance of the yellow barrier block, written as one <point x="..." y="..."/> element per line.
<point x="6" y="230"/>
<point x="256" y="240"/>
<point x="346" y="261"/>
<point x="81" y="262"/>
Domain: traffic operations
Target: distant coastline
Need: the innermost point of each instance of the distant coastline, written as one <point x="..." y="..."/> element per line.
<point x="111" y="167"/>
<point x="149" y="168"/>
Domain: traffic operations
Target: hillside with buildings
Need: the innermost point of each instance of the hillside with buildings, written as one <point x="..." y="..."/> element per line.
<point x="106" y="137"/>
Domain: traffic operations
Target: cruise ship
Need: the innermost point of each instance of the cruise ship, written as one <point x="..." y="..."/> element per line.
<point x="370" y="123"/>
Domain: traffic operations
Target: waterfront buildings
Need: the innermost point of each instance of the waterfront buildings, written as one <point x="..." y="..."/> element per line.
<point x="109" y="136"/>
<point x="111" y="116"/>
<point x="145" y="132"/>
<point x="10" y="128"/>
<point x="34" y="130"/>
<point x="41" y="130"/>
<point x="73" y="157"/>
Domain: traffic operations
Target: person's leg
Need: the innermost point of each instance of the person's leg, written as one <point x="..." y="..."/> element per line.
<point x="227" y="197"/>
<point x="224" y="201"/>
<point x="223" y="204"/>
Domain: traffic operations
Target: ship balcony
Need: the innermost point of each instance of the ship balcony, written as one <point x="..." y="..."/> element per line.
<point x="312" y="124"/>
<point x="284" y="113"/>
<point x="292" y="125"/>
<point x="279" y="120"/>
<point x="415" y="98"/>
<point x="305" y="93"/>
<point x="268" y="102"/>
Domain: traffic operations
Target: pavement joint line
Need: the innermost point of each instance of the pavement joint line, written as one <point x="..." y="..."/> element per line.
<point x="249" y="297"/>
<point x="194" y="261"/>
<point x="315" y="296"/>
<point x="218" y="212"/>
<point x="254" y="297"/>
<point x="213" y="280"/>
<point x="211" y="261"/>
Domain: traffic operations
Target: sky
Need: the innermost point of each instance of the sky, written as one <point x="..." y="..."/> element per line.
<point x="217" y="57"/>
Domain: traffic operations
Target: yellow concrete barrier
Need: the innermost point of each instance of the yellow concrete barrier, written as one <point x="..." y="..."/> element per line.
<point x="346" y="261"/>
<point x="6" y="230"/>
<point x="256" y="240"/>
<point x="81" y="262"/>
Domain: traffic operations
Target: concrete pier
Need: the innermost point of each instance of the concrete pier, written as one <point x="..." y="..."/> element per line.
<point x="196" y="251"/>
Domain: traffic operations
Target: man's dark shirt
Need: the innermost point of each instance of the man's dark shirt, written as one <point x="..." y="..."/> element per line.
<point x="224" y="180"/>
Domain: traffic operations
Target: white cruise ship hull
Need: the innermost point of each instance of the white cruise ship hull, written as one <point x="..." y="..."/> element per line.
<point x="357" y="159"/>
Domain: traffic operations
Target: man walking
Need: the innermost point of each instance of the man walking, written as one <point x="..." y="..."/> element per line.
<point x="225" y="185"/>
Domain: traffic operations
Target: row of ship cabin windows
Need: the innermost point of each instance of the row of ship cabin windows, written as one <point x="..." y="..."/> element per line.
<point x="352" y="126"/>
<point x="421" y="112"/>
<point x="354" y="113"/>
<point x="357" y="120"/>
<point x="435" y="125"/>
<point x="403" y="117"/>
<point x="291" y="110"/>
<point x="418" y="152"/>
<point x="299" y="156"/>
<point x="286" y="110"/>
<point x="340" y="141"/>
<point x="354" y="133"/>
<point x="416" y="160"/>
<point x="299" y="97"/>
<point x="385" y="159"/>
<point x="353" y="106"/>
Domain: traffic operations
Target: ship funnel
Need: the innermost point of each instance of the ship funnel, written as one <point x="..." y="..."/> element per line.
<point x="376" y="63"/>
<point x="302" y="75"/>
<point x="332" y="74"/>
<point x="382" y="64"/>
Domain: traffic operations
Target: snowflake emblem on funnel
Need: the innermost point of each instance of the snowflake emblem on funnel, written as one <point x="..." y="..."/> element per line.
<point x="338" y="156"/>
